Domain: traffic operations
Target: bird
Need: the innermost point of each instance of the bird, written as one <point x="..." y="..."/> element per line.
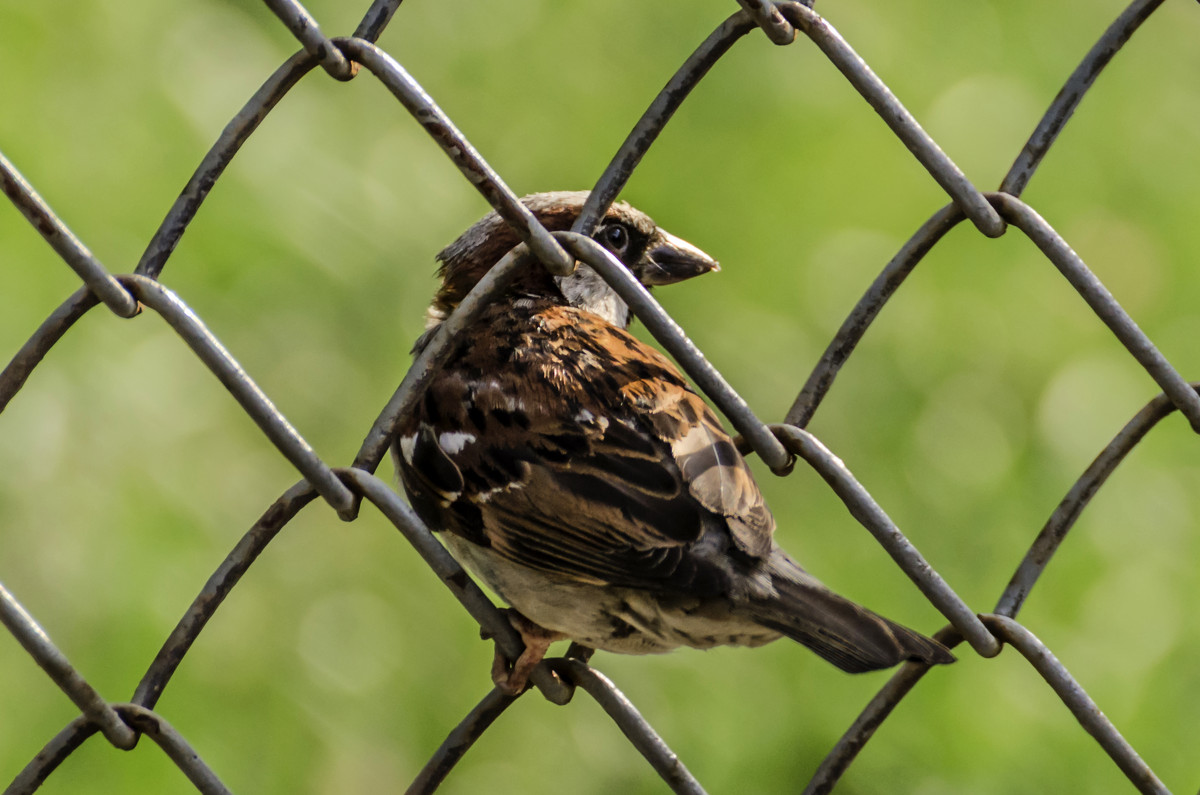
<point x="573" y="469"/>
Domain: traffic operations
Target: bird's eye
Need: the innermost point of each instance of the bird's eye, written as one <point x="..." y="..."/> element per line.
<point x="615" y="237"/>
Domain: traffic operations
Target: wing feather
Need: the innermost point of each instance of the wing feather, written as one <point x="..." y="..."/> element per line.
<point x="583" y="454"/>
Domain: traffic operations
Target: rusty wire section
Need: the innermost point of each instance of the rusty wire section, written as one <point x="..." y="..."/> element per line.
<point x="780" y="446"/>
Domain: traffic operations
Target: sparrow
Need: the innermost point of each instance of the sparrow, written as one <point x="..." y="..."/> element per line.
<point x="572" y="468"/>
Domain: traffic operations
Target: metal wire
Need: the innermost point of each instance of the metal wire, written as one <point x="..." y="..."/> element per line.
<point x="177" y="749"/>
<point x="843" y="753"/>
<point x="61" y="746"/>
<point x="1073" y="91"/>
<point x="1068" y="511"/>
<point x="1078" y="701"/>
<point x="305" y="28"/>
<point x="896" y="116"/>
<point x="434" y="354"/>
<point x="219" y="585"/>
<point x="460" y="151"/>
<point x="13" y="377"/>
<point x="860" y="504"/>
<point x="460" y="741"/>
<point x="767" y="16"/>
<point x="634" y="727"/>
<point x="236" y="133"/>
<point x="778" y="445"/>
<point x="672" y="337"/>
<point x="59" y="668"/>
<point x="255" y="402"/>
<point x="652" y="122"/>
<point x="64" y="242"/>
<point x="855" y="326"/>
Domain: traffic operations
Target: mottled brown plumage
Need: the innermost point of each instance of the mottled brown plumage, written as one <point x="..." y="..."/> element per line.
<point x="573" y="469"/>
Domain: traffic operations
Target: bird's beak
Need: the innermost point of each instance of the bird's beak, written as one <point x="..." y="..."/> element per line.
<point x="669" y="259"/>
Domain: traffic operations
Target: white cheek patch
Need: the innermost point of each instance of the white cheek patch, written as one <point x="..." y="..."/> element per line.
<point x="586" y="290"/>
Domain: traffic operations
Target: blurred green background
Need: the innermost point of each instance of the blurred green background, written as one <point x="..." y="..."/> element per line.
<point x="340" y="663"/>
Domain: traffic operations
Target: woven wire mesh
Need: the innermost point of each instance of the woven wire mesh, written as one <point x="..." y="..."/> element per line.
<point x="120" y="723"/>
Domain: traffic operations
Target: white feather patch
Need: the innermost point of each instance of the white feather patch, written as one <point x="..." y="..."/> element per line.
<point x="407" y="445"/>
<point x="586" y="290"/>
<point x="452" y="441"/>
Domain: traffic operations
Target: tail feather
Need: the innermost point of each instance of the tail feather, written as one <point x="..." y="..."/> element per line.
<point x="846" y="634"/>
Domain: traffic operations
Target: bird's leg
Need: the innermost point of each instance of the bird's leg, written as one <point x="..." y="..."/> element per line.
<point x="537" y="639"/>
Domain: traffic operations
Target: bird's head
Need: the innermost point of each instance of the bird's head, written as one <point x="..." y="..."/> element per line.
<point x="653" y="255"/>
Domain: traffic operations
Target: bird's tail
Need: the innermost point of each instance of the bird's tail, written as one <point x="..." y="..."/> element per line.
<point x="846" y="634"/>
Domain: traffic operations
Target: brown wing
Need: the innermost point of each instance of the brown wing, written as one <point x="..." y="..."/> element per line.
<point x="569" y="446"/>
<point x="716" y="475"/>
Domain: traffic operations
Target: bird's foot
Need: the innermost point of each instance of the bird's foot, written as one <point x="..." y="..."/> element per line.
<point x="513" y="678"/>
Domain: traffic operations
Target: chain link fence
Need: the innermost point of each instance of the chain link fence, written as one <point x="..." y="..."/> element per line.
<point x="780" y="446"/>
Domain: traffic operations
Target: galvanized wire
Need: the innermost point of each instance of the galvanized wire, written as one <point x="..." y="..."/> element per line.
<point x="305" y="28"/>
<point x="219" y="585"/>
<point x="652" y="122"/>
<point x="767" y="16"/>
<point x="1079" y="702"/>
<point x="778" y="445"/>
<point x="673" y="338"/>
<point x="1068" y="511"/>
<point x="460" y="740"/>
<point x="864" y="508"/>
<point x="59" y="668"/>
<point x="634" y="727"/>
<point x="64" y="242"/>
<point x="939" y="165"/>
